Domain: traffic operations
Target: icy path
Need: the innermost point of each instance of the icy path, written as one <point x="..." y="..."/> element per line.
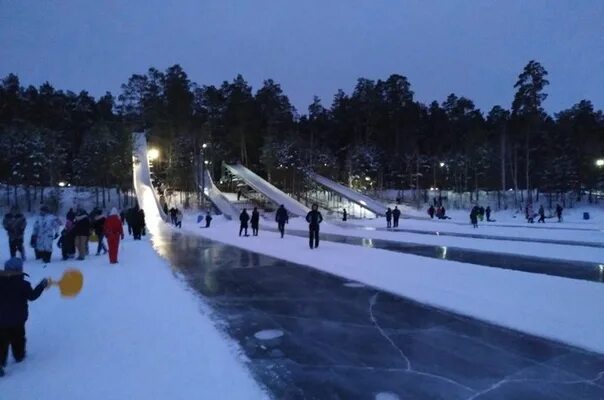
<point x="312" y="335"/>
<point x="135" y="332"/>
<point x="553" y="307"/>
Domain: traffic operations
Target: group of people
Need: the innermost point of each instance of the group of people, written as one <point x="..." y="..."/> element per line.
<point x="530" y="215"/>
<point x="314" y="219"/>
<point x="478" y="213"/>
<point x="392" y="217"/>
<point x="74" y="236"/>
<point x="439" y="212"/>
<point x="175" y="215"/>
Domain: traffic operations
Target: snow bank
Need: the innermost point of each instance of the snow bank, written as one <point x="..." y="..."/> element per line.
<point x="557" y="308"/>
<point x="135" y="332"/>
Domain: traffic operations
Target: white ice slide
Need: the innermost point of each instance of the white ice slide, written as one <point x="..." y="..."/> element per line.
<point x="271" y="192"/>
<point x="141" y="174"/>
<point x="352" y="195"/>
<point x="218" y="198"/>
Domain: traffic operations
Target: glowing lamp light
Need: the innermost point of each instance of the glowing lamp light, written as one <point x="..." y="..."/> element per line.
<point x="153" y="154"/>
<point x="62" y="184"/>
<point x="204" y="145"/>
<point x="206" y="162"/>
<point x="442" y="164"/>
<point x="367" y="178"/>
<point x="600" y="162"/>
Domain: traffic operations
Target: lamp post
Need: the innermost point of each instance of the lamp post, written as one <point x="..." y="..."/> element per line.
<point x="203" y="164"/>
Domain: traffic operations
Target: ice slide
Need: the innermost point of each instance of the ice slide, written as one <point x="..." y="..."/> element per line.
<point x="147" y="198"/>
<point x="217" y="198"/>
<point x="269" y="191"/>
<point x="352" y="195"/>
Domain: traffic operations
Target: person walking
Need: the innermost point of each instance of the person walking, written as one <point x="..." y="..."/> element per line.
<point x="541" y="215"/>
<point x="282" y="218"/>
<point x="44" y="233"/>
<point x="239" y="194"/>
<point x="114" y="230"/>
<point x="255" y="221"/>
<point x="474" y="216"/>
<point x="14" y="223"/>
<point x="431" y="211"/>
<point x="81" y="231"/>
<point x="179" y="217"/>
<point x="396" y="214"/>
<point x="130" y="218"/>
<point x="173" y="212"/>
<point x="314" y="219"/>
<point x="138" y="222"/>
<point x="344" y="215"/>
<point x="165" y="207"/>
<point x="559" y="212"/>
<point x="481" y="213"/>
<point x="208" y="219"/>
<point x="70" y="215"/>
<point x="488" y="212"/>
<point x="243" y="219"/>
<point x="388" y="218"/>
<point x="15" y="292"/>
<point x="98" y="225"/>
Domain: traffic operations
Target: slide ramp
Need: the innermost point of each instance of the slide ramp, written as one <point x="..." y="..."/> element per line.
<point x="217" y="198"/>
<point x="268" y="190"/>
<point x="351" y="195"/>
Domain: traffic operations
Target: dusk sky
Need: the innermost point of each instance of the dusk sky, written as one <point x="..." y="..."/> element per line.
<point x="471" y="48"/>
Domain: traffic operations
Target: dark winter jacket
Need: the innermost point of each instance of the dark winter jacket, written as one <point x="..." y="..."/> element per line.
<point x="81" y="225"/>
<point x="396" y="213"/>
<point x="281" y="215"/>
<point x="70" y="215"/>
<point x="314" y="218"/>
<point x="99" y="226"/>
<point x="244" y="217"/>
<point x="15" y="291"/>
<point x="14" y="223"/>
<point x="388" y="215"/>
<point x="255" y="219"/>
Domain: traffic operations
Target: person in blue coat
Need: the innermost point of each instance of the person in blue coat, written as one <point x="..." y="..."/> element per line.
<point x="15" y="292"/>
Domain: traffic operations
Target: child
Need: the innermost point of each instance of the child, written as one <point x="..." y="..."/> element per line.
<point x="67" y="241"/>
<point x="15" y="291"/>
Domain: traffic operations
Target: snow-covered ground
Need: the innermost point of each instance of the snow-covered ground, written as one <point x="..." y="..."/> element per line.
<point x="134" y="332"/>
<point x="557" y="308"/>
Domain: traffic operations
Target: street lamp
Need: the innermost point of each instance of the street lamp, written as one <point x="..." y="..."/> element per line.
<point x="442" y="164"/>
<point x="153" y="154"/>
<point x="600" y="162"/>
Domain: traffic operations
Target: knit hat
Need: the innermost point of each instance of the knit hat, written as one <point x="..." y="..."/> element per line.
<point x="13" y="265"/>
<point x="113" y="211"/>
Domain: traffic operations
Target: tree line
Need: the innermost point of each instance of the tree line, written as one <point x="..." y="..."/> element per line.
<point x="378" y="136"/>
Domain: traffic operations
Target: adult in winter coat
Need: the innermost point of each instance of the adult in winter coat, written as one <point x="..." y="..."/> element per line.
<point x="255" y="221"/>
<point x="15" y="292"/>
<point x="388" y="218"/>
<point x="208" y="219"/>
<point x="559" y="212"/>
<point x="70" y="215"/>
<point x="541" y="215"/>
<point x="81" y="232"/>
<point x="344" y="215"/>
<point x="282" y="218"/>
<point x="67" y="241"/>
<point x="474" y="216"/>
<point x="138" y="222"/>
<point x="396" y="214"/>
<point x="179" y="218"/>
<point x="114" y="231"/>
<point x="431" y="211"/>
<point x="481" y="213"/>
<point x="173" y="212"/>
<point x="98" y="225"/>
<point x="130" y="217"/>
<point x="14" y="223"/>
<point x="488" y="212"/>
<point x="314" y="219"/>
<point x="243" y="219"/>
<point x="44" y="233"/>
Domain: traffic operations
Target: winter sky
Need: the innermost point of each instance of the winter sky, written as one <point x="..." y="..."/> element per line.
<point x="472" y="48"/>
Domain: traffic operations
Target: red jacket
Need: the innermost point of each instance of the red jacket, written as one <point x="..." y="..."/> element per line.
<point x="113" y="226"/>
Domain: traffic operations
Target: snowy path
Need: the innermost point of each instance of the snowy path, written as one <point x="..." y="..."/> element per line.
<point x="332" y="338"/>
<point x="135" y="332"/>
<point x="587" y="271"/>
